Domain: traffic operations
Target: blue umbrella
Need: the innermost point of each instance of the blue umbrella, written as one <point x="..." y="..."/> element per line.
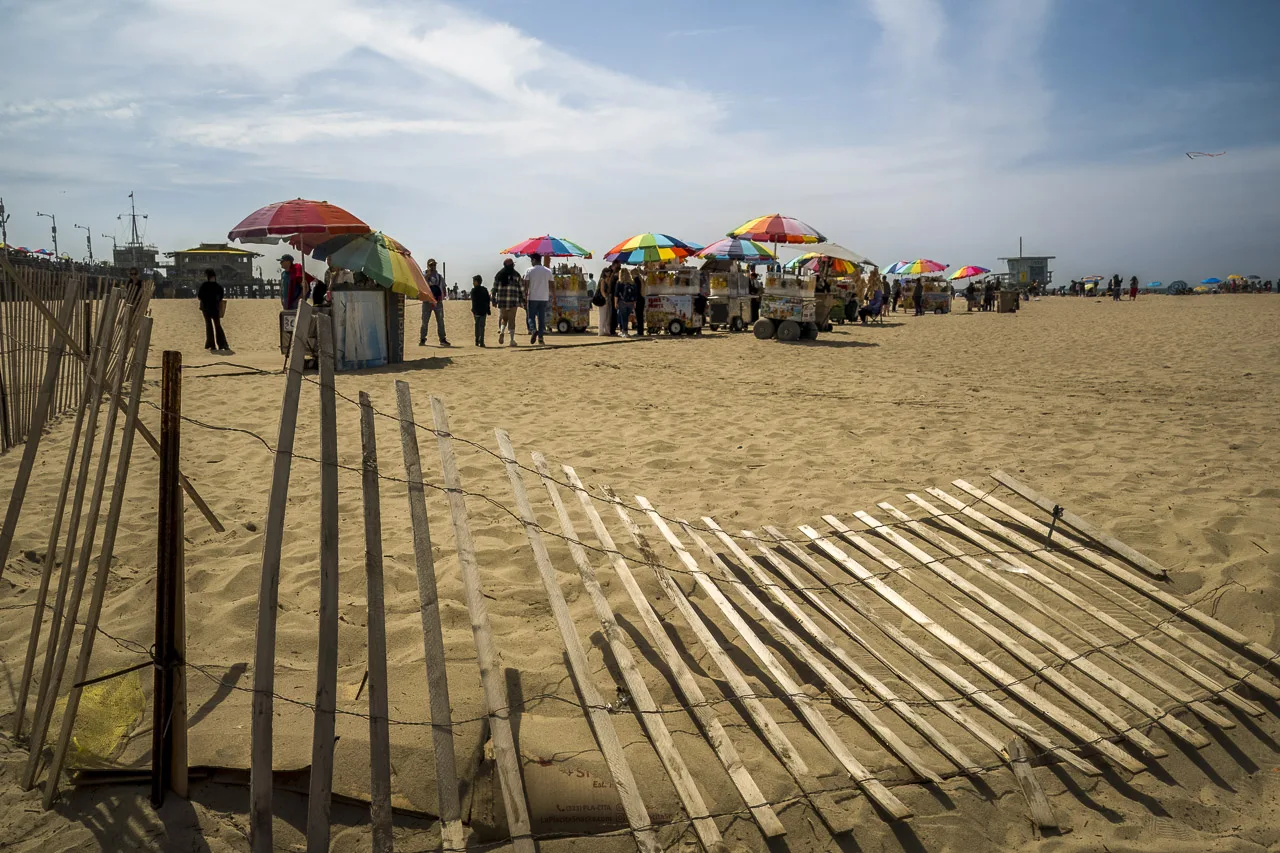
<point x="1211" y="281"/>
<point x="1155" y="284"/>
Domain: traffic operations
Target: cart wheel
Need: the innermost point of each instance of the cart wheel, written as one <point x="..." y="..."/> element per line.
<point x="764" y="329"/>
<point x="736" y="325"/>
<point x="580" y="329"/>
<point x="810" y="332"/>
<point x="675" y="327"/>
<point x="789" y="330"/>
<point x="563" y="327"/>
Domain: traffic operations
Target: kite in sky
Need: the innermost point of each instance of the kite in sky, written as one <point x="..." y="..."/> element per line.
<point x="1191" y="155"/>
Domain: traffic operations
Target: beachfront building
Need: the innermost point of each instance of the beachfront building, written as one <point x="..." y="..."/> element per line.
<point x="234" y="267"/>
<point x="1026" y="269"/>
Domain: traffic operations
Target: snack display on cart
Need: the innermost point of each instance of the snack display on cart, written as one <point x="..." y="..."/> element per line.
<point x="788" y="307"/>
<point x="570" y="308"/>
<point x="671" y="298"/>
<point x="728" y="299"/>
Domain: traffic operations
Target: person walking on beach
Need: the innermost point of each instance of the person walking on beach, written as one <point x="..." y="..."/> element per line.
<point x="628" y="293"/>
<point x="436" y="282"/>
<point x="917" y="297"/>
<point x="508" y="296"/>
<point x="897" y="296"/>
<point x="210" y="296"/>
<point x="480" y="303"/>
<point x="1133" y="288"/>
<point x="133" y="287"/>
<point x="537" y="289"/>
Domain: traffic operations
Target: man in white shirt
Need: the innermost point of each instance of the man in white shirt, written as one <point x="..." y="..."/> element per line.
<point x="537" y="295"/>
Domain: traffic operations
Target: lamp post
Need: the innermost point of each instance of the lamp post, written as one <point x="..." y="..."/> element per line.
<point x="4" y="229"/>
<point x="88" y="240"/>
<point x="54" y="220"/>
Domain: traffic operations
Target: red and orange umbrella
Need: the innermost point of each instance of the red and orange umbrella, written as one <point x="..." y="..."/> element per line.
<point x="284" y="219"/>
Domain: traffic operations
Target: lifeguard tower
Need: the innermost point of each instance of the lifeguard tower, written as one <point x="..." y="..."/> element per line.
<point x="1024" y="270"/>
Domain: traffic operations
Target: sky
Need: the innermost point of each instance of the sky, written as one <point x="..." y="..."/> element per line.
<point x="945" y="129"/>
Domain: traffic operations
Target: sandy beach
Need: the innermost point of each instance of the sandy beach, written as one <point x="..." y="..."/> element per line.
<point x="1155" y="420"/>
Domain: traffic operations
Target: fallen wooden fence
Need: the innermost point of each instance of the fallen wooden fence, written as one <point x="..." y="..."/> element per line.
<point x="854" y="656"/>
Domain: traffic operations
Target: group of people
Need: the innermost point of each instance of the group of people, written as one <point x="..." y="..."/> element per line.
<point x="511" y="292"/>
<point x="982" y="296"/>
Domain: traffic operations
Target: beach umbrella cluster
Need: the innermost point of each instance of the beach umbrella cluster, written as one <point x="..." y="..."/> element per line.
<point x="327" y="232"/>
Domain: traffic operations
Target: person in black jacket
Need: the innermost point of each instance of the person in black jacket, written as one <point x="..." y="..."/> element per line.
<point x="917" y="297"/>
<point x="210" y="296"/>
<point x="479" y="306"/>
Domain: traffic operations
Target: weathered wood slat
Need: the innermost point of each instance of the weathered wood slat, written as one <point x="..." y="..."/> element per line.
<point x="450" y="808"/>
<point x="950" y="707"/>
<point x="264" y="656"/>
<point x="497" y="705"/>
<point x="1041" y="811"/>
<point x="827" y="643"/>
<point x="1137" y="668"/>
<point x="696" y="701"/>
<point x="942" y="670"/>
<point x="105" y="555"/>
<point x="594" y="708"/>
<point x="649" y="713"/>
<point x="838" y="690"/>
<point x="1052" y="560"/>
<point x="837" y="818"/>
<point x="894" y="808"/>
<point x="979" y="661"/>
<point x="1180" y="608"/>
<point x="376" y="657"/>
<point x="1126" y="693"/>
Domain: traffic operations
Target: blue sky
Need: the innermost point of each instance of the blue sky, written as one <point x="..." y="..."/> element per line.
<point x="900" y="128"/>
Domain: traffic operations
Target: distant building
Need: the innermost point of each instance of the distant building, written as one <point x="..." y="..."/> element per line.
<point x="233" y="266"/>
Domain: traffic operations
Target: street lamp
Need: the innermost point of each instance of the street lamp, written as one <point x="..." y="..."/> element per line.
<point x="54" y="220"/>
<point x="88" y="240"/>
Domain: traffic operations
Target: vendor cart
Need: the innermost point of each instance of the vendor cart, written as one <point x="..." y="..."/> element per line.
<point x="789" y="307"/>
<point x="936" y="298"/>
<point x="570" y="308"/>
<point x="670" y="299"/>
<point x="728" y="300"/>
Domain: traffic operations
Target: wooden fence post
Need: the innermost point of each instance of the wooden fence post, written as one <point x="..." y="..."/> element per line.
<point x="169" y="548"/>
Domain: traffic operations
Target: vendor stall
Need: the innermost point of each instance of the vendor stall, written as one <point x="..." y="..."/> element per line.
<point x="570" y="309"/>
<point x="789" y="307"/>
<point x="728" y="299"/>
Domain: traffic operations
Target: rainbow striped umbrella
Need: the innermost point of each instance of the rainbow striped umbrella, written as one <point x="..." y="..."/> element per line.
<point x="382" y="259"/>
<point x="732" y="249"/>
<point x="893" y="268"/>
<point x="649" y="247"/>
<point x="777" y="228"/>
<point x="920" y="266"/>
<point x="1092" y="278"/>
<point x="968" y="272"/>
<point x="548" y="247"/>
<point x="812" y="261"/>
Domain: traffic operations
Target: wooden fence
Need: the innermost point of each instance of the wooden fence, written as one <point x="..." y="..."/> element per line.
<point x="988" y="630"/>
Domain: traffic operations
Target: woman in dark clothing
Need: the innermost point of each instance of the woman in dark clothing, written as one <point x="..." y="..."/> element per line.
<point x="917" y="297"/>
<point x="210" y="296"/>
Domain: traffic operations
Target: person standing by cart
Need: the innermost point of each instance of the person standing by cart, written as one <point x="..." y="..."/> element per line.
<point x="602" y="300"/>
<point x="537" y="289"/>
<point x="628" y="294"/>
<point x="436" y="282"/>
<point x="917" y="296"/>
<point x="612" y="280"/>
<point x="508" y="296"/>
<point x="480" y="306"/>
<point x="637" y="278"/>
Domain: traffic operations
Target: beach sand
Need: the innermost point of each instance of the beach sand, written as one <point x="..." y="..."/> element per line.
<point x="1156" y="420"/>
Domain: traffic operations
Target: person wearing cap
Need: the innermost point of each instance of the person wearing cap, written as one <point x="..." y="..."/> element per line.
<point x="436" y="282"/>
<point x="508" y="296"/>
<point x="292" y="280"/>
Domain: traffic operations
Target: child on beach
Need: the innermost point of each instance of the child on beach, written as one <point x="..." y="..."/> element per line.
<point x="479" y="306"/>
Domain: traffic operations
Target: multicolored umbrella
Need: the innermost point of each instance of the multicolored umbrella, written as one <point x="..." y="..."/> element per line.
<point x="777" y="228"/>
<point x="650" y="247"/>
<point x="893" y="268"/>
<point x="920" y="266"/>
<point x="968" y="272"/>
<point x="382" y="259"/>
<point x="1092" y="278"/>
<point x="275" y="222"/>
<point x="812" y="261"/>
<point x="548" y="247"/>
<point x="733" y="249"/>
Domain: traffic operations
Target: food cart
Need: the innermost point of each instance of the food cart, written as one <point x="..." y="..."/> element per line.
<point x="937" y="296"/>
<point x="368" y="326"/>
<point x="670" y="295"/>
<point x="570" y="308"/>
<point x="729" y="298"/>
<point x="789" y="307"/>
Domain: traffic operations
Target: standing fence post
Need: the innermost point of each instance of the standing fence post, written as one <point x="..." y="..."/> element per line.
<point x="168" y="561"/>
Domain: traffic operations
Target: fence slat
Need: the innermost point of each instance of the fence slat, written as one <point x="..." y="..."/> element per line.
<point x="450" y="808"/>
<point x="495" y="689"/>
